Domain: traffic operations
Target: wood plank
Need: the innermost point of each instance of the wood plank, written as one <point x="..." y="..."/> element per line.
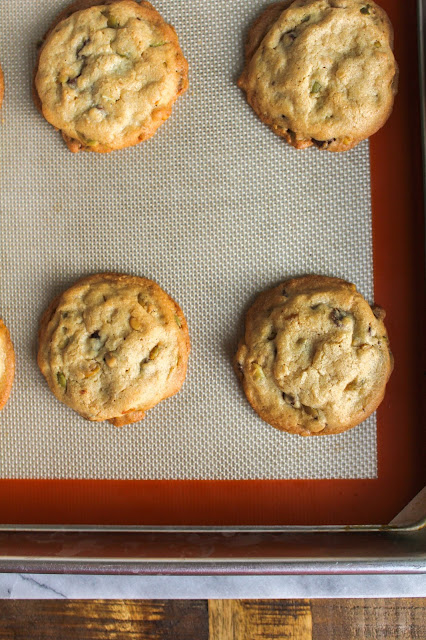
<point x="103" y="619"/>
<point x="369" y="619"/>
<point x="260" y="620"/>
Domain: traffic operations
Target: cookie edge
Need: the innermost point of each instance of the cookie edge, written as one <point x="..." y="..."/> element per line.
<point x="7" y="380"/>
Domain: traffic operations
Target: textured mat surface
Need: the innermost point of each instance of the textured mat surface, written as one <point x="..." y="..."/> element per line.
<point x="214" y="208"/>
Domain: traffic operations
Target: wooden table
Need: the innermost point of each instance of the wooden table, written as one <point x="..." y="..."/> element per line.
<point x="359" y="619"/>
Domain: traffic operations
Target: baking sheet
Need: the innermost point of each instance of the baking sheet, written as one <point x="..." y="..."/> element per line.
<point x="214" y="208"/>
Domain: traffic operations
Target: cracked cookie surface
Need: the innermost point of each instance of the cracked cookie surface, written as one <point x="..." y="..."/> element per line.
<point x="113" y="346"/>
<point x="321" y="71"/>
<point x="108" y="74"/>
<point x="7" y="364"/>
<point x="315" y="357"/>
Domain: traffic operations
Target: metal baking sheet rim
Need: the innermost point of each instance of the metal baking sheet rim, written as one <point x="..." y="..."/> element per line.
<point x="196" y="568"/>
<point x="363" y="550"/>
<point x="407" y="562"/>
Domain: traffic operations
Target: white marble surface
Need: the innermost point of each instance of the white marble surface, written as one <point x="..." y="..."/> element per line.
<point x="37" y="586"/>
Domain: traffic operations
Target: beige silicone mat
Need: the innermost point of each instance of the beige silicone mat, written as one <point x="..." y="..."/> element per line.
<point x="214" y="207"/>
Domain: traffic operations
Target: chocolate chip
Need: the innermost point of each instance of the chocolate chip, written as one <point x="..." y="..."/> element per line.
<point x="73" y="81"/>
<point x="288" y="398"/>
<point x="322" y="144"/>
<point x="83" y="44"/>
<point x="291" y="34"/>
<point x="337" y="316"/>
<point x="310" y="411"/>
<point x="95" y="335"/>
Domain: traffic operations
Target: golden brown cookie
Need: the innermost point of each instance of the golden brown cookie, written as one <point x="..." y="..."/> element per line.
<point x="261" y="26"/>
<point x="108" y="73"/>
<point x="1" y="86"/>
<point x="321" y="71"/>
<point x="113" y="346"/>
<point x="7" y="364"/>
<point x="315" y="357"/>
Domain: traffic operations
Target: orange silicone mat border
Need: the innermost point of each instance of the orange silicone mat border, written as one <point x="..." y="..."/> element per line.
<point x="398" y="233"/>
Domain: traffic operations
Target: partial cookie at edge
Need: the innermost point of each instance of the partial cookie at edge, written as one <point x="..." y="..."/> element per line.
<point x="7" y="364"/>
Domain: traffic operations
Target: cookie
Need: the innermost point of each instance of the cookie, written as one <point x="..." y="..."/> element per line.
<point x="321" y="72"/>
<point x="261" y="26"/>
<point x="315" y="357"/>
<point x="113" y="346"/>
<point x="108" y="74"/>
<point x="1" y="86"/>
<point x="7" y="364"/>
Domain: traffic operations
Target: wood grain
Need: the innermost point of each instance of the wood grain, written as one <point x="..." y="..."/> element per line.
<point x="369" y="619"/>
<point x="103" y="619"/>
<point x="259" y="619"/>
<point x="365" y="619"/>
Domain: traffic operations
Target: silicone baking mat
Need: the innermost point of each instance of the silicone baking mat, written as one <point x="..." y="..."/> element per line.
<point x="214" y="208"/>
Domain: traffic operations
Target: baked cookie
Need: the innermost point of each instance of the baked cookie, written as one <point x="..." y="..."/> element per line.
<point x="315" y="356"/>
<point x="1" y="86"/>
<point x="113" y="346"/>
<point x="108" y="74"/>
<point x="321" y="72"/>
<point x="7" y="364"/>
<point x="261" y="26"/>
